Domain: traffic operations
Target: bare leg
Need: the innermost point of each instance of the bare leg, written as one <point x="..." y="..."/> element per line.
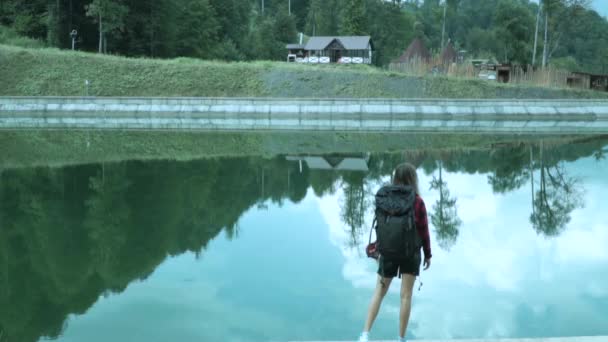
<point x="381" y="288"/>
<point x="407" y="286"/>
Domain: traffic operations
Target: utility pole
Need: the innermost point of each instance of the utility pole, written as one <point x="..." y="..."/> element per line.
<point x="532" y="176"/>
<point x="546" y="40"/>
<point x="445" y="7"/>
<point x="262" y="6"/>
<point x="314" y="23"/>
<point x="289" y="6"/>
<point x="536" y="33"/>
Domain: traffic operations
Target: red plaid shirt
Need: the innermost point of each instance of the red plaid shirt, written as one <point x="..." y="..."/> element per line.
<point x="422" y="224"/>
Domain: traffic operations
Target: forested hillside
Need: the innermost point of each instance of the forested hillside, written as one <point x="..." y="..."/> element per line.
<point x="570" y="34"/>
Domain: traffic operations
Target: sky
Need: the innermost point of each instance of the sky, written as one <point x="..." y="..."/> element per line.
<point x="601" y="6"/>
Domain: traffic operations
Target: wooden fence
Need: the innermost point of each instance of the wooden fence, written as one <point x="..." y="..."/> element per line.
<point x="548" y="77"/>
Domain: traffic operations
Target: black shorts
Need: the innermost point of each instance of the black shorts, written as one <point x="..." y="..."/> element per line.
<point x="393" y="268"/>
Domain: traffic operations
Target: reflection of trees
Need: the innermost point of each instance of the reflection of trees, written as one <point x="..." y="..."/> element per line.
<point x="558" y="195"/>
<point x="510" y="172"/>
<point x="354" y="204"/>
<point x="323" y="182"/>
<point x="299" y="184"/>
<point x="107" y="212"/>
<point x="44" y="253"/>
<point x="600" y="154"/>
<point x="445" y="216"/>
<point x="68" y="235"/>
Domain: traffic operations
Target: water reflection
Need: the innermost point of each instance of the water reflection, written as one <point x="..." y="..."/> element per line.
<point x="355" y="203"/>
<point x="444" y="216"/>
<point x="70" y="235"/>
<point x="558" y="195"/>
<point x="600" y="154"/>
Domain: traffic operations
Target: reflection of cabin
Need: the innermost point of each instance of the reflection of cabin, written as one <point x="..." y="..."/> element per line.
<point x="324" y="50"/>
<point x="341" y="163"/>
<point x="416" y="51"/>
<point x="588" y="81"/>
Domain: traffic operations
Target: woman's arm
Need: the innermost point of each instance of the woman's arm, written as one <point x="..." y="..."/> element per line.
<point x="422" y="224"/>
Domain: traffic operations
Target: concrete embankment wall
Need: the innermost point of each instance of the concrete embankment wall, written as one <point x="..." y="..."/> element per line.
<point x="526" y="116"/>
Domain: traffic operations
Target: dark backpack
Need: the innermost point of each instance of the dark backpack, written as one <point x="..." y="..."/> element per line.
<point x="396" y="232"/>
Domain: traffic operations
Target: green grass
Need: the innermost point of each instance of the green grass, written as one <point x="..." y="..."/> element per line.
<point x="56" y="148"/>
<point x="51" y="72"/>
<point x="10" y="37"/>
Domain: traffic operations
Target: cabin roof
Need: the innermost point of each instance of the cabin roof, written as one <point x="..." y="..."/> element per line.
<point x="349" y="42"/>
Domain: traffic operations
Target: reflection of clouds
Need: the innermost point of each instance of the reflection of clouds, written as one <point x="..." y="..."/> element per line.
<point x="481" y="256"/>
<point x="597" y="289"/>
<point x="475" y="198"/>
<point x="171" y="309"/>
<point x="499" y="263"/>
<point x="582" y="246"/>
<point x="357" y="268"/>
<point x="587" y="236"/>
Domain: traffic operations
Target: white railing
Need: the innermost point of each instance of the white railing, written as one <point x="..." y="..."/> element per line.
<point x="327" y="60"/>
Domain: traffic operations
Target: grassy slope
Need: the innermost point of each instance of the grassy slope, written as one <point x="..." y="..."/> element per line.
<point x="44" y="72"/>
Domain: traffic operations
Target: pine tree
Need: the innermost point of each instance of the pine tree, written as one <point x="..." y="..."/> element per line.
<point x="198" y="30"/>
<point x="354" y="21"/>
<point x="109" y="16"/>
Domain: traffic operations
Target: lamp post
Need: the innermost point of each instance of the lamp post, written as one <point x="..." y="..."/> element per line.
<point x="73" y="35"/>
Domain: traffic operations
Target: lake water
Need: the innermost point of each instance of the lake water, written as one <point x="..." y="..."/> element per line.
<point x="271" y="249"/>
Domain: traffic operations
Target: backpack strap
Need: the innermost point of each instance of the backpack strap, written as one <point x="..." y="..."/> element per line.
<point x="372" y="229"/>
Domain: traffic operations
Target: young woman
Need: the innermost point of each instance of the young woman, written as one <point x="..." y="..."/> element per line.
<point x="407" y="269"/>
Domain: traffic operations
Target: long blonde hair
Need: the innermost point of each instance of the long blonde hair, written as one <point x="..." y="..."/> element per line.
<point x="405" y="174"/>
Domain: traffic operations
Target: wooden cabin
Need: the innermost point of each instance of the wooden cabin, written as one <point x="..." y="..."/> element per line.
<point x="339" y="49"/>
<point x="585" y="80"/>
